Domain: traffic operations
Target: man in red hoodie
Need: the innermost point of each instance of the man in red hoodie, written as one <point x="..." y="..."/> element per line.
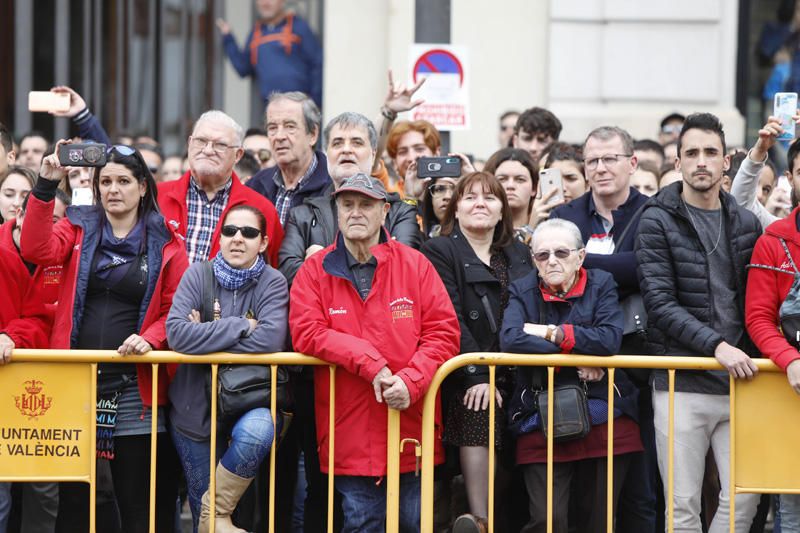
<point x="377" y="309"/>
<point x="195" y="204"/>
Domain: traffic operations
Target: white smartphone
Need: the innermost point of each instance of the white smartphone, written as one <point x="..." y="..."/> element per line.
<point x="82" y="196"/>
<point x="784" y="109"/>
<point x="46" y="101"/>
<point x="550" y="179"/>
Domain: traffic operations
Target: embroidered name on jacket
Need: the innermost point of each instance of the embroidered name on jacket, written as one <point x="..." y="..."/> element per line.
<point x="339" y="311"/>
<point x="401" y="308"/>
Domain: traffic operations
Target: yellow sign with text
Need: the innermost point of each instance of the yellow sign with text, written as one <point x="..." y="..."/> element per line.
<point x="46" y="412"/>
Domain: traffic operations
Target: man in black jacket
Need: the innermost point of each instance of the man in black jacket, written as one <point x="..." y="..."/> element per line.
<point x="693" y="246"/>
<point x="351" y="143"/>
<point x="608" y="217"/>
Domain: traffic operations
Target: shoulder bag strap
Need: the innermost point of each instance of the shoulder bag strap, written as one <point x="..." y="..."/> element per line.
<point x="207" y="313"/>
<point x="635" y="216"/>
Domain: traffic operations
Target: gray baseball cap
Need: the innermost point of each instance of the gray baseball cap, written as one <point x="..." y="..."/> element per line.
<point x="366" y="185"/>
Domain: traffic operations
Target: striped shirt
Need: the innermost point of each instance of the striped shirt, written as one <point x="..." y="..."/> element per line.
<point x="601" y="237"/>
<point x="203" y="217"/>
<point x="283" y="200"/>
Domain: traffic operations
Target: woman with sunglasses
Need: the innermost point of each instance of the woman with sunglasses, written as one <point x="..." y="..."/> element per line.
<point x="563" y="308"/>
<point x="477" y="258"/>
<point x="249" y="314"/>
<point x="121" y="266"/>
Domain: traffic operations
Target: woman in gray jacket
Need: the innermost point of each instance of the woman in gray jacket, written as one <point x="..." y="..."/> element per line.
<point x="249" y="312"/>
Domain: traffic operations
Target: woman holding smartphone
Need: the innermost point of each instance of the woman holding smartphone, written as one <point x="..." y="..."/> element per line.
<point x="121" y="266"/>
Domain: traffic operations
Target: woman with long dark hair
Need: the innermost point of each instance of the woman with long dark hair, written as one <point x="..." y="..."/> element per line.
<point x="121" y="266"/>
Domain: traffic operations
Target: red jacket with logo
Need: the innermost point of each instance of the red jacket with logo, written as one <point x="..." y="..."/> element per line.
<point x="406" y="323"/>
<point x="767" y="289"/>
<point x="64" y="243"/>
<point x="46" y="278"/>
<point x="172" y="202"/>
<point x="22" y="313"/>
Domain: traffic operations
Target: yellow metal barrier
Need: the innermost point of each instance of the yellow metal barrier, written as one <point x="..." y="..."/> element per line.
<point x="747" y="400"/>
<point x="744" y="445"/>
<point x="158" y="358"/>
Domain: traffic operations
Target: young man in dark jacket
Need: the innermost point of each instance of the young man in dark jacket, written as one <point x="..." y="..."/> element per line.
<point x="693" y="246"/>
<point x="608" y="217"/>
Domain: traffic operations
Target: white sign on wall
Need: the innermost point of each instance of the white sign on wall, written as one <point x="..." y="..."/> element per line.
<point x="445" y="91"/>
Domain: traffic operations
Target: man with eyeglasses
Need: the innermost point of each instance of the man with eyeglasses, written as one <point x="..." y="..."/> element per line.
<point x="257" y="143"/>
<point x="608" y="217"/>
<point x="293" y="127"/>
<point x="195" y="204"/>
<point x="693" y="247"/>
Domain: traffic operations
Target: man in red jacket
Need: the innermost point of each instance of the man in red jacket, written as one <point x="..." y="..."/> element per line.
<point x="195" y="204"/>
<point x="378" y="310"/>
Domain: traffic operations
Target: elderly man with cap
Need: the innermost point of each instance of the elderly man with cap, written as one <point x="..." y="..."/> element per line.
<point x="377" y="309"/>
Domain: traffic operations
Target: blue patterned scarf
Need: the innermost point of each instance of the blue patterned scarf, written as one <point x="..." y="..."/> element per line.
<point x="233" y="278"/>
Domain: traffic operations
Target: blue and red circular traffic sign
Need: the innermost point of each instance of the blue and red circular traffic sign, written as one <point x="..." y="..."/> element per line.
<point x="438" y="61"/>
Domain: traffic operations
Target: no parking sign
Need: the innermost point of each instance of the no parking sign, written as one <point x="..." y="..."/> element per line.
<point x="445" y="92"/>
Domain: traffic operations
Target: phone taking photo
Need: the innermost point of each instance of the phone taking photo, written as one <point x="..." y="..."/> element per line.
<point x="47" y="101"/>
<point x="785" y="108"/>
<point x="549" y="180"/>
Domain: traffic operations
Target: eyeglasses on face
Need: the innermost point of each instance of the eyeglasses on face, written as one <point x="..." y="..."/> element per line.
<point x="607" y="160"/>
<point x="248" y="232"/>
<point x="200" y="143"/>
<point x="440" y="189"/>
<point x="560" y="253"/>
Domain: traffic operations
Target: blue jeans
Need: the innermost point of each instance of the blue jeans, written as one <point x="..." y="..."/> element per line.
<point x="364" y="503"/>
<point x="250" y="442"/>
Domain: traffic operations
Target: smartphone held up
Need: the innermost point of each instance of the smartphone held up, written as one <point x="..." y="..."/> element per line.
<point x="785" y="109"/>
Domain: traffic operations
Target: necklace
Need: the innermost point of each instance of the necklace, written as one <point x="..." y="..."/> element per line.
<point x="694" y="225"/>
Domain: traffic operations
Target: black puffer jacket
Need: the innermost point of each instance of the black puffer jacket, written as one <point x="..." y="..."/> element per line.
<point x="314" y="222"/>
<point x="675" y="278"/>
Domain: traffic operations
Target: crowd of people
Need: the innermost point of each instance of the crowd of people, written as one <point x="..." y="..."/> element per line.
<point x="327" y="241"/>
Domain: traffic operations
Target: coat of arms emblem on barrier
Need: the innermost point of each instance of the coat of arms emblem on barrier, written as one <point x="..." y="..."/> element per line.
<point x="33" y="403"/>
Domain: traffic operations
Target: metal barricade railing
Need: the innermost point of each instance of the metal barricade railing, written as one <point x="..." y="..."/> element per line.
<point x="158" y="358"/>
<point x="671" y="364"/>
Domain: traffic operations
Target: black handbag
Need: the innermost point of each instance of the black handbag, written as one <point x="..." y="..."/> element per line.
<point x="241" y="388"/>
<point x="789" y="312"/>
<point x="570" y="412"/>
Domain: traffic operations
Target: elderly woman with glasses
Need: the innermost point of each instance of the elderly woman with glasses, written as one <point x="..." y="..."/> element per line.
<point x="477" y="258"/>
<point x="564" y="308"/>
<point x="121" y="265"/>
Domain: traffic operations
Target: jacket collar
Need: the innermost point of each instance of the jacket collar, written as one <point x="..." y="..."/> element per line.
<point x="634" y="197"/>
<point x="786" y="228"/>
<point x="335" y="262"/>
<point x="576" y="291"/>
<point x="181" y="188"/>
<point x="669" y="198"/>
<point x="317" y="181"/>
